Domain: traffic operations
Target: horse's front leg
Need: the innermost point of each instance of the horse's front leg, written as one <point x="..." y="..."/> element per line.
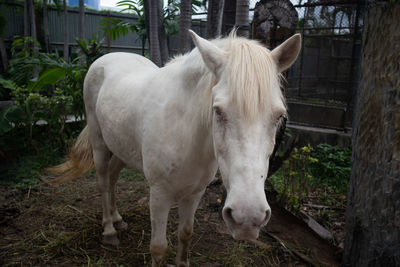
<point x="160" y="204"/>
<point x="187" y="209"/>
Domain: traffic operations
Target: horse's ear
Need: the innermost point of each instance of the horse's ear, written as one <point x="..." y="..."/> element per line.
<point x="212" y="56"/>
<point x="286" y="53"/>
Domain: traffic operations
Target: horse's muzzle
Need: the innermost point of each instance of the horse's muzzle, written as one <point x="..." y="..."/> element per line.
<point x="244" y="227"/>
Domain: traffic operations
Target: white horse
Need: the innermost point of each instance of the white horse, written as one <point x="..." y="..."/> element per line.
<point x="218" y="106"/>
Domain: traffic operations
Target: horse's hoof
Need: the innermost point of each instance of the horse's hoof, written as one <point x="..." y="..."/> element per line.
<point x="121" y="225"/>
<point x="110" y="240"/>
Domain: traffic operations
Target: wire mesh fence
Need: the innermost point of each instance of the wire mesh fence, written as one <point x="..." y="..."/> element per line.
<point x="326" y="70"/>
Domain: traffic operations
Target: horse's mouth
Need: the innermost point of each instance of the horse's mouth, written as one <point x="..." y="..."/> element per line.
<point x="244" y="231"/>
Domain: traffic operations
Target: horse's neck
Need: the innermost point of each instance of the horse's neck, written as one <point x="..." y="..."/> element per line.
<point x="195" y="97"/>
<point x="197" y="83"/>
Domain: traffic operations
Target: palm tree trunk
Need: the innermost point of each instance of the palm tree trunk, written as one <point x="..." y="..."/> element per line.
<point x="185" y="22"/>
<point x="242" y="17"/>
<point x="46" y="27"/>
<point x="66" y="37"/>
<point x="373" y="203"/>
<point x="162" y="36"/>
<point x="32" y="19"/>
<point x="155" y="54"/>
<point x="146" y="6"/>
<point x="27" y="29"/>
<point x="82" y="29"/>
<point x="3" y="53"/>
<point x="214" y="18"/>
<point x="228" y="17"/>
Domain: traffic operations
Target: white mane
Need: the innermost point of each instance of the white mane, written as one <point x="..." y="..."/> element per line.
<point x="254" y="80"/>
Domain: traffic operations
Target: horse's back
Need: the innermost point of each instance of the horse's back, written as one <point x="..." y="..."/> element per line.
<point x="123" y="62"/>
<point x="113" y="67"/>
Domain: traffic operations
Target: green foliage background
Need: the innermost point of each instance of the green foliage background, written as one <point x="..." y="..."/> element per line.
<point x="46" y="92"/>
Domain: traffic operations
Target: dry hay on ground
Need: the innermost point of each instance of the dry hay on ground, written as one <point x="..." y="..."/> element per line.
<point x="62" y="227"/>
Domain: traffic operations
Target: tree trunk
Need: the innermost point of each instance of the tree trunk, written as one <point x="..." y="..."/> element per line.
<point x="228" y="18"/>
<point x="162" y="35"/>
<point x="214" y="18"/>
<point x="185" y="22"/>
<point x="32" y="20"/>
<point x="146" y="6"/>
<point x="46" y="27"/>
<point x="82" y="30"/>
<point x="27" y="28"/>
<point x="3" y="53"/>
<point x="81" y="19"/>
<point x="242" y="17"/>
<point x="66" y="37"/>
<point x="373" y="211"/>
<point x="274" y="21"/>
<point x="155" y="54"/>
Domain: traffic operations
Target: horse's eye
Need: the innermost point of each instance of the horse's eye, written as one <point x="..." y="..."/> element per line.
<point x="220" y="115"/>
<point x="282" y="117"/>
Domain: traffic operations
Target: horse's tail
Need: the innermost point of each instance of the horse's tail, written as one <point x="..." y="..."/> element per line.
<point x="78" y="162"/>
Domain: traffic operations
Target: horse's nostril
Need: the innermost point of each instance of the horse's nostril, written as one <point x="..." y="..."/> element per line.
<point x="228" y="215"/>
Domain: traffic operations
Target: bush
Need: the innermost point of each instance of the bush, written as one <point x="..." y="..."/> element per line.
<point x="309" y="169"/>
<point x="44" y="87"/>
<point x="294" y="181"/>
<point x="333" y="167"/>
<point x="46" y="91"/>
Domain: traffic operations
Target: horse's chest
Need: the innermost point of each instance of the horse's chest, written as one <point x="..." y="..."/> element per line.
<point x="191" y="185"/>
<point x="181" y="180"/>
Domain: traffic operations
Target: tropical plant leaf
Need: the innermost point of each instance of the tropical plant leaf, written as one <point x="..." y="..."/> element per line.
<point x="50" y="76"/>
<point x="115" y="27"/>
<point x="8" y="84"/>
<point x="9" y="116"/>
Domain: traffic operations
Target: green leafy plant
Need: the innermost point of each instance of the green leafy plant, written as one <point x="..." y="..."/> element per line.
<point x="115" y="28"/>
<point x="333" y="166"/>
<point x="324" y="168"/>
<point x="46" y="91"/>
<point x="296" y="178"/>
<point x="91" y="49"/>
<point x="51" y="96"/>
<point x="118" y="27"/>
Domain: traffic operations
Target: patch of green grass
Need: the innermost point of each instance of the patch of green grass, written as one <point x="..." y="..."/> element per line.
<point x="24" y="172"/>
<point x="129" y="174"/>
<point x="126" y="174"/>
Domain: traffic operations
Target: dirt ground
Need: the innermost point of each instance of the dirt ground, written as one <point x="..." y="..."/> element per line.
<point x="61" y="226"/>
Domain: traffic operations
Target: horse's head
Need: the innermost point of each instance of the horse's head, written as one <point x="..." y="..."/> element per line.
<point x="247" y="107"/>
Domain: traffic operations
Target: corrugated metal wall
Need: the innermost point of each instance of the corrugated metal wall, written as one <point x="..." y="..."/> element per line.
<point x="15" y="27"/>
<point x="130" y="42"/>
<point x="13" y="13"/>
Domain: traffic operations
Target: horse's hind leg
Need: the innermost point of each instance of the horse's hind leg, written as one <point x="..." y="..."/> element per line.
<point x="114" y="168"/>
<point x="101" y="159"/>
